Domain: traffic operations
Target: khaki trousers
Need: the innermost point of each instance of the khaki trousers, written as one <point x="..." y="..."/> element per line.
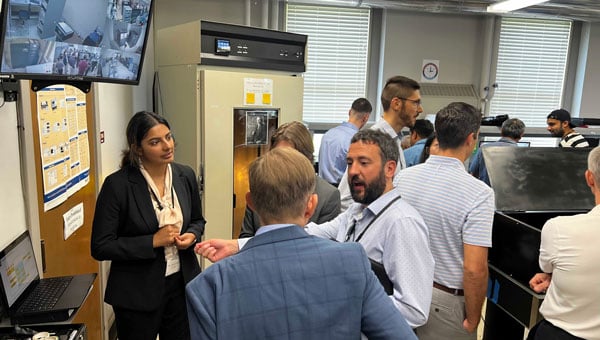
<point x="446" y="316"/>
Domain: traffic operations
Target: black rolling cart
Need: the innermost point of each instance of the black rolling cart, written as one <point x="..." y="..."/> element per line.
<point x="531" y="185"/>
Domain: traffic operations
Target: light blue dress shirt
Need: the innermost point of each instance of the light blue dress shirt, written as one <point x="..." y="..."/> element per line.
<point x="333" y="150"/>
<point x="412" y="155"/>
<point x="398" y="239"/>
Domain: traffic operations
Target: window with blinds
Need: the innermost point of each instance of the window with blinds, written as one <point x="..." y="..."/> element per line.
<point x="532" y="59"/>
<point x="336" y="71"/>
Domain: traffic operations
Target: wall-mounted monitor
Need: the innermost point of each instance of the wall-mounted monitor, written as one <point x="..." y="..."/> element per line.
<point x="74" y="40"/>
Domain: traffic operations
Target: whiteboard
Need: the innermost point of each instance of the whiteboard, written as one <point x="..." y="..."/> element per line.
<point x="12" y="201"/>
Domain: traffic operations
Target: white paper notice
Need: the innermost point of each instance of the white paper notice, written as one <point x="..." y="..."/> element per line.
<point x="73" y="219"/>
<point x="258" y="91"/>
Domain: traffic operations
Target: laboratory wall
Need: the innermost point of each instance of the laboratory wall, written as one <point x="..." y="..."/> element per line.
<point x="590" y="104"/>
<point x="12" y="203"/>
<point x="173" y="12"/>
<point x="457" y="41"/>
<point x="454" y="40"/>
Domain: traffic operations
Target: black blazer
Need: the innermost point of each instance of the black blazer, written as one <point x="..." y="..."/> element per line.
<point x="124" y="224"/>
<point x="328" y="207"/>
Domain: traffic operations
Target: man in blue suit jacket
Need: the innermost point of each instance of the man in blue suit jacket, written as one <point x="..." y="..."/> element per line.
<point x="284" y="283"/>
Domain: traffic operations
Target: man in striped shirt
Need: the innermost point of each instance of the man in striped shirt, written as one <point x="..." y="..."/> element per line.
<point x="458" y="210"/>
<point x="559" y="125"/>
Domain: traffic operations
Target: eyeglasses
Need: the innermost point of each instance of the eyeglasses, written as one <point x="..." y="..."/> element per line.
<point x="416" y="102"/>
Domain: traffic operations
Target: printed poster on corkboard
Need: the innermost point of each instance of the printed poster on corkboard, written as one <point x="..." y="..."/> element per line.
<point x="64" y="147"/>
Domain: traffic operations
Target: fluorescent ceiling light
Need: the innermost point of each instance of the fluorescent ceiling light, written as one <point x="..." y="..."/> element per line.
<point x="512" y="5"/>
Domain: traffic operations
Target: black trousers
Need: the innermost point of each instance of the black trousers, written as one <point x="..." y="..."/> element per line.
<point x="170" y="320"/>
<point x="544" y="330"/>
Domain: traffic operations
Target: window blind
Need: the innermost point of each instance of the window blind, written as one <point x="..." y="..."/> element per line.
<point x="532" y="59"/>
<point x="336" y="71"/>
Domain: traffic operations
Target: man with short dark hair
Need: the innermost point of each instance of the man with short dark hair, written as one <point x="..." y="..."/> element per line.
<point x="401" y="103"/>
<point x="559" y="125"/>
<point x="335" y="142"/>
<point x="391" y="231"/>
<point x="511" y="132"/>
<point x="419" y="133"/>
<point x="285" y="284"/>
<point x="458" y="209"/>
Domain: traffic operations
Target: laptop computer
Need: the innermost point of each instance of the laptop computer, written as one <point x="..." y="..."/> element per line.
<point x="30" y="299"/>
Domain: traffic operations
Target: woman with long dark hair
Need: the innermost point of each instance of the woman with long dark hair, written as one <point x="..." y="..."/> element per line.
<point x="148" y="217"/>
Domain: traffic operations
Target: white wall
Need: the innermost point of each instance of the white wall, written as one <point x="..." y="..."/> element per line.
<point x="113" y="108"/>
<point x="590" y="102"/>
<point x="12" y="200"/>
<point x="173" y="12"/>
<point x="454" y="40"/>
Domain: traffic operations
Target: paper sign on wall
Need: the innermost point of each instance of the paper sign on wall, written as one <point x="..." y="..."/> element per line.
<point x="73" y="220"/>
<point x="258" y="91"/>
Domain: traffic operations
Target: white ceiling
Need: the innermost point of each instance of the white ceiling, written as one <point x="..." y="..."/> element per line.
<point x="581" y="10"/>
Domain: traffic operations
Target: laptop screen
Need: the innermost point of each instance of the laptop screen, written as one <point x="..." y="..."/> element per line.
<point x="18" y="268"/>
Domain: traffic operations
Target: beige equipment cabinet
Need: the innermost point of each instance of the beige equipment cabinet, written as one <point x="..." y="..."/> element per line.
<point x="199" y="102"/>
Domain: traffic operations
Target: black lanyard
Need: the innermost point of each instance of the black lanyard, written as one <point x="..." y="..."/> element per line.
<point x="353" y="227"/>
<point x="160" y="206"/>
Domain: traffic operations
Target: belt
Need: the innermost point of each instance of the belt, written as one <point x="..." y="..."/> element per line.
<point x="457" y="292"/>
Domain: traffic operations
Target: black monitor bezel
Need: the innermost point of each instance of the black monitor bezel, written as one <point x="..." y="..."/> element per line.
<point x="59" y="79"/>
<point x="219" y="50"/>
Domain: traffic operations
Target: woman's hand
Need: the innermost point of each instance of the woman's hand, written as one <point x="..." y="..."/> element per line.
<point x="185" y="240"/>
<point x="165" y="236"/>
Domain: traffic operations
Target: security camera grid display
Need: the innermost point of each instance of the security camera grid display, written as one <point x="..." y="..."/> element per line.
<point x="74" y="38"/>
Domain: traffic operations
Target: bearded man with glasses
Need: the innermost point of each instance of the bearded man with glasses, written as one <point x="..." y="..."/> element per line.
<point x="401" y="103"/>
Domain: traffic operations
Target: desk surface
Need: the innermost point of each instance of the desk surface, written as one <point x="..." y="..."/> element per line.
<point x="69" y="332"/>
<point x="5" y="321"/>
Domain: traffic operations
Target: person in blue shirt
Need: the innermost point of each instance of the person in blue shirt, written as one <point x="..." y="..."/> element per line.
<point x="285" y="283"/>
<point x="511" y="132"/>
<point x="419" y="133"/>
<point x="336" y="141"/>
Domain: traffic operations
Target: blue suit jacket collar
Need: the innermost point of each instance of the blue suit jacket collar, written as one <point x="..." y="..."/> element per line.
<point x="283" y="234"/>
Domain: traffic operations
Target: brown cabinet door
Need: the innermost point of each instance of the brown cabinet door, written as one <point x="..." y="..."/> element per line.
<point x="71" y="256"/>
